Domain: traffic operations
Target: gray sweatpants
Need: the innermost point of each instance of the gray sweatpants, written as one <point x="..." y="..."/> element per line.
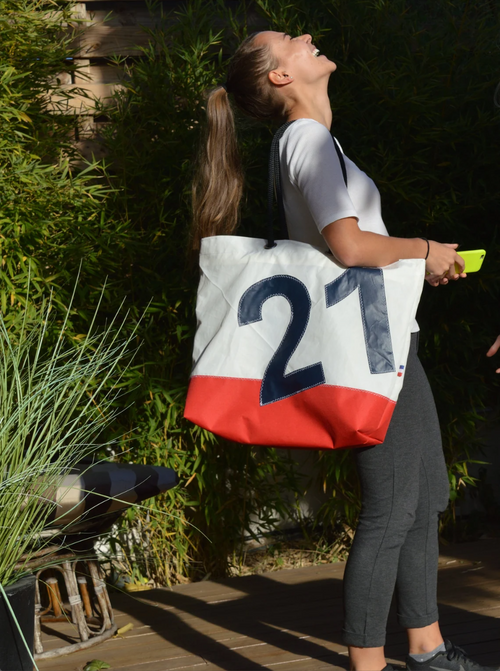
<point x="404" y="487"/>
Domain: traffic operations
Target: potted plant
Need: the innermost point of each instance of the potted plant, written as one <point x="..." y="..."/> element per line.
<point x="56" y="397"/>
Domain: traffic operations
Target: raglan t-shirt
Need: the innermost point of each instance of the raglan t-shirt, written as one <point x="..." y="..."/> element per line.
<point x="314" y="191"/>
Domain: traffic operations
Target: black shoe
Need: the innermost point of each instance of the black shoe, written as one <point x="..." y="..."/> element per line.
<point x="454" y="659"/>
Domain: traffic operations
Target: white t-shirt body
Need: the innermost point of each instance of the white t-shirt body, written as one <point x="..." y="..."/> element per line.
<point x="314" y="191"/>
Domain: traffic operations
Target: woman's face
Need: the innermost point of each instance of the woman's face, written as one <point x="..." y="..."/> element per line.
<point x="299" y="59"/>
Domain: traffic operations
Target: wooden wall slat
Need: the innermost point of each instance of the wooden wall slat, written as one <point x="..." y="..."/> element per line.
<point x="121" y="16"/>
<point x="97" y="73"/>
<point x="90" y="149"/>
<point x="100" y="41"/>
<point x="61" y="78"/>
<point x="80" y="104"/>
<point x="104" y="41"/>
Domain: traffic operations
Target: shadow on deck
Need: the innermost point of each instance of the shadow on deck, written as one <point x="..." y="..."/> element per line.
<point x="289" y="619"/>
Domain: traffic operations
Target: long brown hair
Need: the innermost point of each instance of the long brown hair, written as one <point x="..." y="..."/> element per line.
<point x="218" y="183"/>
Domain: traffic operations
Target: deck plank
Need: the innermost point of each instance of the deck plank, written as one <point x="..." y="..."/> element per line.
<point x="286" y="620"/>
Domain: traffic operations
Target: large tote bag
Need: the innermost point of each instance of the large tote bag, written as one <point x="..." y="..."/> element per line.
<point x="294" y="350"/>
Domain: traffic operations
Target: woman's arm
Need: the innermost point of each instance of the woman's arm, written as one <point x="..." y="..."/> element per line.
<point x="354" y="247"/>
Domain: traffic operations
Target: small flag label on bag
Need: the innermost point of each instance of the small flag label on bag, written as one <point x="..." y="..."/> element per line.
<point x="401" y="371"/>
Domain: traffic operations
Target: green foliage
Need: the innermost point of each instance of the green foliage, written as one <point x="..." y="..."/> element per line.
<point x="54" y="403"/>
<point x="34" y="57"/>
<point x="96" y="665"/>
<point x="48" y="215"/>
<point x="413" y="106"/>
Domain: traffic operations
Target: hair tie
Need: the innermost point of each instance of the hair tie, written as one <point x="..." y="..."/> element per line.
<point x="428" y="248"/>
<point x="225" y="87"/>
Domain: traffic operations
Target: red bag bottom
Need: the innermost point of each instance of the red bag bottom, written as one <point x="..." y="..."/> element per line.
<point x="324" y="417"/>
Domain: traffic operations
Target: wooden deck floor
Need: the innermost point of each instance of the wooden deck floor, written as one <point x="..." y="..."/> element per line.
<point x="285" y="620"/>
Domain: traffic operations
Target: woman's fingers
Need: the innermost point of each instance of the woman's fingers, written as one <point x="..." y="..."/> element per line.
<point x="494" y="348"/>
<point x="444" y="262"/>
<point x="433" y="280"/>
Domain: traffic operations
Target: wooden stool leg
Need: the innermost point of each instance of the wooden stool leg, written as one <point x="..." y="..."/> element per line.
<point x="110" y="608"/>
<point x="101" y="593"/>
<point x="54" y="596"/>
<point x="38" y="629"/>
<point x="82" y="584"/>
<point x="75" y="600"/>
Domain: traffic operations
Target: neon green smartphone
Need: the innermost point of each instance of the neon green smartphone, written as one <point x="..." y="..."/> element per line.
<point x="473" y="260"/>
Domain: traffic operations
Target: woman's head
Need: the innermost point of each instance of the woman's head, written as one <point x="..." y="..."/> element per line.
<point x="271" y="70"/>
<point x="269" y="75"/>
<point x="299" y="62"/>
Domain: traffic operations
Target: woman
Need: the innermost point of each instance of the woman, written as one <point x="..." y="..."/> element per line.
<point x="404" y="480"/>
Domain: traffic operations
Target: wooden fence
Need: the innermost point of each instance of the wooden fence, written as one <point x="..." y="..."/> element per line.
<point x="108" y="29"/>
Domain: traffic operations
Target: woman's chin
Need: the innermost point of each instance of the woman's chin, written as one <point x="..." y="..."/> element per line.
<point x="325" y="59"/>
<point x="331" y="65"/>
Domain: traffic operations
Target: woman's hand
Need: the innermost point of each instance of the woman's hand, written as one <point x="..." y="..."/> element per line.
<point x="440" y="265"/>
<point x="494" y="349"/>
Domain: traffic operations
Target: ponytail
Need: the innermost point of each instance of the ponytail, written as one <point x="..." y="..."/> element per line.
<point x="218" y="182"/>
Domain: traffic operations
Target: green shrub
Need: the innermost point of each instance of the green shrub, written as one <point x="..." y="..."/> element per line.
<point x="51" y="217"/>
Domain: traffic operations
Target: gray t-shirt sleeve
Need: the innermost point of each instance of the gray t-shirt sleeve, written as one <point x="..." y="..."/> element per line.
<point x="314" y="169"/>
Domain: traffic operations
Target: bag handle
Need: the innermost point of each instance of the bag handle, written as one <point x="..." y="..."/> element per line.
<point x="274" y="184"/>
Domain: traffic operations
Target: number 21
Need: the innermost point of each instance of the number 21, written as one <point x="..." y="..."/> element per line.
<point x="276" y="385"/>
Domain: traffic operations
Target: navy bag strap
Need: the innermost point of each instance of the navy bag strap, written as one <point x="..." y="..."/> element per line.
<point x="274" y="185"/>
<point x="341" y="159"/>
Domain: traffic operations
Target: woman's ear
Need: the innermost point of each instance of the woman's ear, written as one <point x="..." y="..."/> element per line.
<point x="279" y="78"/>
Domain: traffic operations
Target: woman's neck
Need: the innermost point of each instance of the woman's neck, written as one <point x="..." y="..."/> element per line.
<point x="315" y="107"/>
